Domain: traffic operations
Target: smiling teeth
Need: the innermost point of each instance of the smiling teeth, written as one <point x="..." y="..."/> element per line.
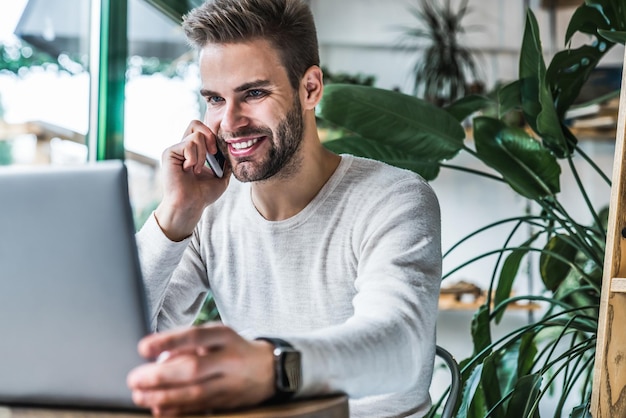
<point x="244" y="145"/>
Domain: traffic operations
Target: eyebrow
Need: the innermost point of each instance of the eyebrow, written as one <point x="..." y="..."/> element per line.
<point x="246" y="86"/>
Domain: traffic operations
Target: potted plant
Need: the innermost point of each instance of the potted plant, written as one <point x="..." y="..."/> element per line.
<point x="511" y="376"/>
<point x="445" y="70"/>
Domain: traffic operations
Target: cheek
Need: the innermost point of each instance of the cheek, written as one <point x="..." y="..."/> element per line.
<point x="211" y="120"/>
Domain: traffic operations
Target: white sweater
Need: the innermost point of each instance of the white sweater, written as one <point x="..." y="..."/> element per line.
<point x="351" y="281"/>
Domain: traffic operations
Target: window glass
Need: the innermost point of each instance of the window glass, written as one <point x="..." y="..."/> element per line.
<point x="45" y="85"/>
<point x="44" y="81"/>
<point x="162" y="86"/>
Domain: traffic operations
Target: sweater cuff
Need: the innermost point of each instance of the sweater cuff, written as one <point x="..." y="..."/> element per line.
<point x="152" y="237"/>
<point x="315" y="369"/>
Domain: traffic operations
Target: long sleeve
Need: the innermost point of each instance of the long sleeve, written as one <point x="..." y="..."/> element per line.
<point x="175" y="290"/>
<point x="352" y="281"/>
<point x="388" y="344"/>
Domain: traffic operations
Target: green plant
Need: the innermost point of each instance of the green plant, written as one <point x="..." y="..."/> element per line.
<point x="446" y="69"/>
<point x="554" y="355"/>
<point x="208" y="312"/>
<point x="6" y="154"/>
<point x="347" y="78"/>
<point x="17" y="57"/>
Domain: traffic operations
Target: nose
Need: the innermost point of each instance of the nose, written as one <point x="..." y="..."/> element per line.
<point x="233" y="117"/>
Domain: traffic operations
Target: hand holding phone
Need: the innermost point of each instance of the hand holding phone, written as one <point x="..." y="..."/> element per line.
<point x="216" y="162"/>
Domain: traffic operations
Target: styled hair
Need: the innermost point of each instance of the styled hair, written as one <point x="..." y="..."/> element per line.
<point x="288" y="25"/>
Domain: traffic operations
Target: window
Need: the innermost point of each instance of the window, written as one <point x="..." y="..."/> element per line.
<point x="72" y="91"/>
<point x="44" y="81"/>
<point x="161" y="97"/>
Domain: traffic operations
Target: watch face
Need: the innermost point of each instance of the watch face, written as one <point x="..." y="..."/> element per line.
<point x="291" y="370"/>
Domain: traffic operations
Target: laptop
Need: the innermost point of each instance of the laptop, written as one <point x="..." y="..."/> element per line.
<point x="72" y="303"/>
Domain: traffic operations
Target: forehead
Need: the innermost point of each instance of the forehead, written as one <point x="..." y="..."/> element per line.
<point x="233" y="64"/>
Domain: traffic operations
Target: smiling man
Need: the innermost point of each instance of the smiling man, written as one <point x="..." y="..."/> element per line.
<point x="325" y="268"/>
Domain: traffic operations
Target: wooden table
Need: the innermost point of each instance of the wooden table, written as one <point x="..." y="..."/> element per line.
<point x="327" y="407"/>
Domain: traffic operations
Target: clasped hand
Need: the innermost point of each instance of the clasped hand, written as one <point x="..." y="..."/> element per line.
<point x="206" y="368"/>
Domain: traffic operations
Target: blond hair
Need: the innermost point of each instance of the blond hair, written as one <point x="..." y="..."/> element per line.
<point x="287" y="24"/>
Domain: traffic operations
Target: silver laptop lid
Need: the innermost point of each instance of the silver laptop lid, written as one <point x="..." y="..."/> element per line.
<point x="72" y="305"/>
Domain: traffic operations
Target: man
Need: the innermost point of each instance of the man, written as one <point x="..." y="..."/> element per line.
<point x="335" y="259"/>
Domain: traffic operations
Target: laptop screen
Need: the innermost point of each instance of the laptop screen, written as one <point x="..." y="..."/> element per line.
<point x="71" y="296"/>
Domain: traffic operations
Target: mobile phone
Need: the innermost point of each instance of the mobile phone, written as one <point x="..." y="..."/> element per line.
<point x="216" y="162"/>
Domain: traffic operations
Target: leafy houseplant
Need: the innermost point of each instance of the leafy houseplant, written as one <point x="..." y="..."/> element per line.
<point x="511" y="376"/>
<point x="446" y="69"/>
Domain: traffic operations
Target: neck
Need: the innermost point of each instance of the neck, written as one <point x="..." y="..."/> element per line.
<point x="283" y="196"/>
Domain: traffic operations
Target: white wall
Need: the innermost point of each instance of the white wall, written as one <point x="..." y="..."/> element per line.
<point x="364" y="36"/>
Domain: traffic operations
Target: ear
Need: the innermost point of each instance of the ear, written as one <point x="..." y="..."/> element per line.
<point x="312" y="87"/>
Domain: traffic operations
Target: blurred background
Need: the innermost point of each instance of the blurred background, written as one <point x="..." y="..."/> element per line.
<point x="76" y="84"/>
<point x="86" y="80"/>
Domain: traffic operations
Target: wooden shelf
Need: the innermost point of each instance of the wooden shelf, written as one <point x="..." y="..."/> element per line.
<point x="465" y="296"/>
<point x="452" y="303"/>
<point x="618" y="285"/>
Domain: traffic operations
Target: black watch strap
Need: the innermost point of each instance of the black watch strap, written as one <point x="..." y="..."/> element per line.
<point x="287" y="367"/>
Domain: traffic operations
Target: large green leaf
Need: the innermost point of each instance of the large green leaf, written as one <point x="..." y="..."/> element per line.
<point x="473" y="396"/>
<point x="526" y="392"/>
<point x="614" y="36"/>
<point x="603" y="215"/>
<point x="507" y="277"/>
<point x="581" y="411"/>
<point x="380" y="151"/>
<point x="523" y="162"/>
<point x="411" y="125"/>
<point x="509" y="98"/>
<point x="508" y="365"/>
<point x="537" y="100"/>
<point x="614" y="10"/>
<point x="467" y="105"/>
<point x="572" y="291"/>
<point x="531" y="65"/>
<point x="491" y="386"/>
<point x="481" y="330"/>
<point x="587" y="18"/>
<point x="554" y="270"/>
<point x="570" y="69"/>
<point x="527" y="354"/>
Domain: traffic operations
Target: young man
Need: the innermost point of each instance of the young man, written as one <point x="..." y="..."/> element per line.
<point x="334" y="259"/>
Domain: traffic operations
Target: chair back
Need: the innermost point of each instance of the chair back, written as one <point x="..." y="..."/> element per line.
<point x="455" y="382"/>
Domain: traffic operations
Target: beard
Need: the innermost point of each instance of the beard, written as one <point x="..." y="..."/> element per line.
<point x="282" y="159"/>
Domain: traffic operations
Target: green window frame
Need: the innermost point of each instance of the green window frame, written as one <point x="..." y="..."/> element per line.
<point x="109" y="56"/>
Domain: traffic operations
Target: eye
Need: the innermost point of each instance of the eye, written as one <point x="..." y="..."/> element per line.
<point x="256" y="93"/>
<point x="214" y="99"/>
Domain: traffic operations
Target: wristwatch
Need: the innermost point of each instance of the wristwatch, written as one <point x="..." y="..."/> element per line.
<point x="287" y="368"/>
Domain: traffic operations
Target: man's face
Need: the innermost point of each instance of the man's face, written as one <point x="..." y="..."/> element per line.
<point x="252" y="108"/>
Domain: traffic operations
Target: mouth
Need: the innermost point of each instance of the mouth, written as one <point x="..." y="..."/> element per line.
<point x="243" y="147"/>
<point x="244" y="144"/>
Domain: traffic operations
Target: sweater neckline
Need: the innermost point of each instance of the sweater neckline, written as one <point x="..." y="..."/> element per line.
<point x="300" y="217"/>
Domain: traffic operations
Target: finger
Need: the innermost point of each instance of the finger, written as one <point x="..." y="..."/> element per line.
<point x="204" y="135"/>
<point x="179" y="370"/>
<point x="211" y="335"/>
<point x="174" y="397"/>
<point x="209" y="394"/>
<point x="210" y="138"/>
<point x="198" y="126"/>
<point x="193" y="153"/>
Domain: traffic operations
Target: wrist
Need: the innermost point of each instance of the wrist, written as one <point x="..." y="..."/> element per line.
<point x="267" y="368"/>
<point x="287" y="368"/>
<point x="176" y="224"/>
